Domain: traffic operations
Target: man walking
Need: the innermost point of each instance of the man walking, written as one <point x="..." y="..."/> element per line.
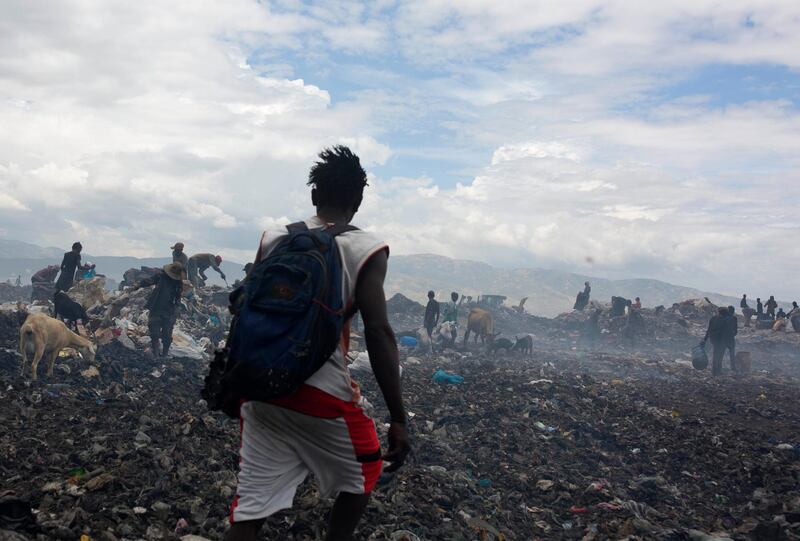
<point x="321" y="429"/>
<point x="163" y="304"/>
<point x="431" y="316"/>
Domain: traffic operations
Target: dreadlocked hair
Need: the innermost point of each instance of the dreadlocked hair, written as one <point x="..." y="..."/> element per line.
<point x="338" y="178"/>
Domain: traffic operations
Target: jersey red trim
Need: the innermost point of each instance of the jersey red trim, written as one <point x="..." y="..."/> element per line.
<point x="317" y="403"/>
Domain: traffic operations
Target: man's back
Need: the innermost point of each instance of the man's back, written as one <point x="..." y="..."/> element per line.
<point x="355" y="248"/>
<point x="202" y="261"/>
<point x="717" y="328"/>
<point x="322" y="429"/>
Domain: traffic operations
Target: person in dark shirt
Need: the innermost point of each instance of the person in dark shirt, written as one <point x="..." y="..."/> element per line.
<point x="759" y="309"/>
<point x="162" y="304"/>
<point x="771" y="306"/>
<point x="634" y="324"/>
<point x="743" y="302"/>
<point x="718" y="329"/>
<point x="431" y="315"/>
<point x="71" y="263"/>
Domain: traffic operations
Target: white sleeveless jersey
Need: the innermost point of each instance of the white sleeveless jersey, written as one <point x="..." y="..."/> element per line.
<point x="355" y="249"/>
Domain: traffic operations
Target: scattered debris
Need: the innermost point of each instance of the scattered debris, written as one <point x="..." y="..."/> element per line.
<point x="569" y="442"/>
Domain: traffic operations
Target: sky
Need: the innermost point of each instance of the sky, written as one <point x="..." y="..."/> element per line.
<point x="608" y="138"/>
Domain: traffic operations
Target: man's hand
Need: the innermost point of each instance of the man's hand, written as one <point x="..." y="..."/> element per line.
<point x="398" y="447"/>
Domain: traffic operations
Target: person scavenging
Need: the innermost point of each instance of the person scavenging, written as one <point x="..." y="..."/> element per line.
<point x="163" y="305"/>
<point x="747" y="312"/>
<point x="320" y="429"/>
<point x="450" y="318"/>
<point x="771" y="305"/>
<point x="70" y="264"/>
<point x="199" y="263"/>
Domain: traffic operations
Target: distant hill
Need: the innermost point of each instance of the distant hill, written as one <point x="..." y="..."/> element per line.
<point x="550" y="292"/>
<point x="14" y="249"/>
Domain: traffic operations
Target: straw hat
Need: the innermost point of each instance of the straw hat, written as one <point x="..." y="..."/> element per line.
<point x="174" y="270"/>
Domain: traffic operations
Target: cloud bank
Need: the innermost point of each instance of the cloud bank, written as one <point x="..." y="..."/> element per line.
<point x="614" y="138"/>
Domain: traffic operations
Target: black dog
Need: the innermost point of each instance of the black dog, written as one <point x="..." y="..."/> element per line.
<point x="71" y="311"/>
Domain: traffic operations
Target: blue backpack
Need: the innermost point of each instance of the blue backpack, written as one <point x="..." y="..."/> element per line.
<point x="289" y="315"/>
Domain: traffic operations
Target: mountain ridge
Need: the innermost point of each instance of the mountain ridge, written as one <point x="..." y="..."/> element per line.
<point x="550" y="291"/>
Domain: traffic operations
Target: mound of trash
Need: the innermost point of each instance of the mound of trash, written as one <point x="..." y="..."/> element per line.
<point x="695" y="309"/>
<point x="555" y="446"/>
<point x="404" y="313"/>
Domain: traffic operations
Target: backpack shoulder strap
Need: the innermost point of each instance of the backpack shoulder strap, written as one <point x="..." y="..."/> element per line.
<point x="297" y="227"/>
<point x="337" y="229"/>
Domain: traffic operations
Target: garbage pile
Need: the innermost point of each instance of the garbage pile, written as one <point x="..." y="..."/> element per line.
<point x="598" y="447"/>
<point x="116" y="450"/>
<point x="404" y="313"/>
<point x="695" y="309"/>
<point x="559" y="446"/>
<point x="203" y="318"/>
<point x="565" y="443"/>
<point x="659" y="324"/>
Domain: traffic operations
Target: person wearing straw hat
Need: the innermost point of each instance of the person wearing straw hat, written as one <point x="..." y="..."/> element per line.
<point x="162" y="304"/>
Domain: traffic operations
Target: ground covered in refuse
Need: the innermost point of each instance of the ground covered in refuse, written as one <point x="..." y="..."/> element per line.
<point x="561" y="445"/>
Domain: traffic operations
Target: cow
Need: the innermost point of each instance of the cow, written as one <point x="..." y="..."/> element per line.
<point x="42" y="335"/>
<point x="482" y="324"/>
<point x="524" y="344"/>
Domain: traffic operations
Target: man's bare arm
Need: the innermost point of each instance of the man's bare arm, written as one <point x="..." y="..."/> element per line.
<point x="381" y="343"/>
<point x="383" y="355"/>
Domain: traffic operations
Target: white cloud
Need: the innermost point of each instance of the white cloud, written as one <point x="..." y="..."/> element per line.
<point x="549" y="126"/>
<point x="535" y="149"/>
<point x="10" y="203"/>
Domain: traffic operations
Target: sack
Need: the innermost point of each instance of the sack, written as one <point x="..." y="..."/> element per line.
<point x="289" y="315"/>
<point x="699" y="357"/>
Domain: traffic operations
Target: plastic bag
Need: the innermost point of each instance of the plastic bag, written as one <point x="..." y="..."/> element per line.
<point x="699" y="357"/>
